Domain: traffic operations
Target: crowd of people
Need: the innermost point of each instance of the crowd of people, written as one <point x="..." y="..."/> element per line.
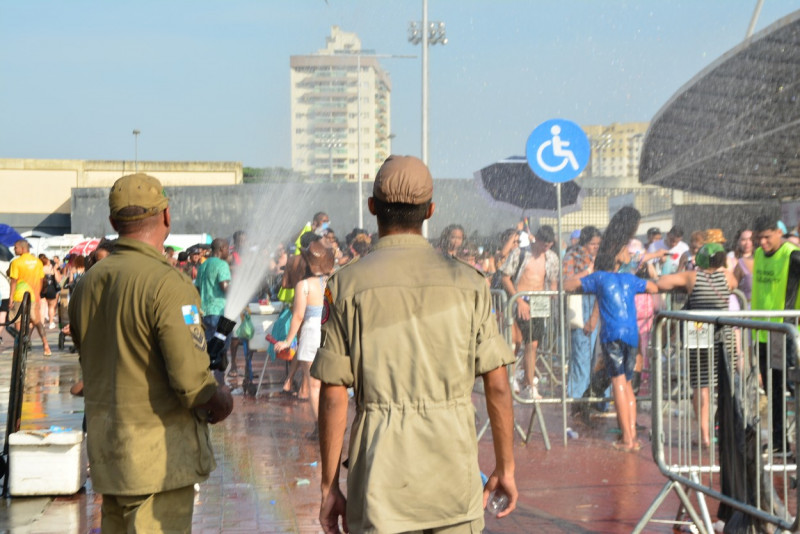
<point x="49" y="281"/>
<point x="390" y="327"/>
<point x="517" y="260"/>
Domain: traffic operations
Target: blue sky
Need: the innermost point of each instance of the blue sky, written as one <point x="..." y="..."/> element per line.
<point x="209" y="80"/>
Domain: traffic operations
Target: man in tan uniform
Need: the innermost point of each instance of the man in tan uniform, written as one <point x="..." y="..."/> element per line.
<point x="149" y="394"/>
<point x="410" y="330"/>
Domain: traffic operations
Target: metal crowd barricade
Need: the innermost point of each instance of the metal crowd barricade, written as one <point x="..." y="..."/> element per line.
<point x="17" y="385"/>
<point x="549" y="360"/>
<point x="748" y="475"/>
<point x="499" y="300"/>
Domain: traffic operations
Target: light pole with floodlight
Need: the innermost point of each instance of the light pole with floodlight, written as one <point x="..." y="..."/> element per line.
<point x="359" y="54"/>
<point x="426" y="33"/>
<point x="136" y="150"/>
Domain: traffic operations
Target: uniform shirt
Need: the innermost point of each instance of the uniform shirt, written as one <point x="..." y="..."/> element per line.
<point x="26" y="268"/>
<point x="135" y="320"/>
<point x="213" y="271"/>
<point x="410" y="330"/>
<point x="615" y="294"/>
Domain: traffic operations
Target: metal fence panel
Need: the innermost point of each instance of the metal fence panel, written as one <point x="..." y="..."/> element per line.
<point x="724" y="403"/>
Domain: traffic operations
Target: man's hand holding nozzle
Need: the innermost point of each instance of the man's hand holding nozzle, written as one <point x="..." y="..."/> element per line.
<point x="219" y="406"/>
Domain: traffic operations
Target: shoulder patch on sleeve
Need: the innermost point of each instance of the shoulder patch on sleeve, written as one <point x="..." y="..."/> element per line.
<point x="327" y="302"/>
<point x="190" y="313"/>
<point x="198" y="337"/>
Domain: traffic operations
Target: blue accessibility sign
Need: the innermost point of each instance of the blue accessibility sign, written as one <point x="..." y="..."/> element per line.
<point x="557" y="150"/>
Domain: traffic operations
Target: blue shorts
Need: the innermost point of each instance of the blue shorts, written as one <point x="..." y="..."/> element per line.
<point x="620" y="359"/>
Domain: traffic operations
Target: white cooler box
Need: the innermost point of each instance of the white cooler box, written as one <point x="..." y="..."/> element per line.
<point x="47" y="463"/>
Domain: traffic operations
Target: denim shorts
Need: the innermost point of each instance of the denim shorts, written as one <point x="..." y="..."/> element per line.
<point x="620" y="359"/>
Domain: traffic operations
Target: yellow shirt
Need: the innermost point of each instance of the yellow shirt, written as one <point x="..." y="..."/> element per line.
<point x="28" y="271"/>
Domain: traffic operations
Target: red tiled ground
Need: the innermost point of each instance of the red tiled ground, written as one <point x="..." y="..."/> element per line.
<point x="267" y="478"/>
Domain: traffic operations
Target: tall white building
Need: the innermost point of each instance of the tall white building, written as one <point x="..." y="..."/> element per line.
<point x="616" y="150"/>
<point x="334" y="93"/>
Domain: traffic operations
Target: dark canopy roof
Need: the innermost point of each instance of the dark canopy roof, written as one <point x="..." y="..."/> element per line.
<point x="734" y="130"/>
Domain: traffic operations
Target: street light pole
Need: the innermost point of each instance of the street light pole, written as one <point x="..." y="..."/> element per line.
<point x="136" y="150"/>
<point x="358" y="150"/>
<point x="426" y="34"/>
<point x="358" y="124"/>
<point x="425" y="82"/>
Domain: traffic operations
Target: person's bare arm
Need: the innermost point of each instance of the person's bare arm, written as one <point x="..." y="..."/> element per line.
<point x="508" y="285"/>
<point x="651" y="288"/>
<point x="733" y="282"/>
<point x="655" y="254"/>
<point x="332" y="426"/>
<point x="589" y="326"/>
<point x="12" y="288"/>
<point x="669" y="282"/>
<point x="572" y="283"/>
<point x="501" y="417"/>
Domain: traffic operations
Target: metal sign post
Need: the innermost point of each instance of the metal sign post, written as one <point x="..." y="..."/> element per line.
<point x="558" y="151"/>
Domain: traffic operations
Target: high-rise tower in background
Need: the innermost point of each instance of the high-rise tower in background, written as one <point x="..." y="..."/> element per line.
<point x="329" y="90"/>
<point x="616" y="150"/>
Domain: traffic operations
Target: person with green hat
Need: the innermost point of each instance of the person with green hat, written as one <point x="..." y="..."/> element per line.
<point x="149" y="394"/>
<point x="709" y="288"/>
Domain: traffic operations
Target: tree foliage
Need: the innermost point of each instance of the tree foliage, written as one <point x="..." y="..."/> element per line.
<point x="255" y="175"/>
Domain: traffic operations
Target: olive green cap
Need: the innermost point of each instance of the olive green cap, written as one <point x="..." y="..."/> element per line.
<point x="139" y="190"/>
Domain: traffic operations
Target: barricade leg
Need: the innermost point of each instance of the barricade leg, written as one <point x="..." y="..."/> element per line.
<point x="483" y="429"/>
<point x="701" y="501"/>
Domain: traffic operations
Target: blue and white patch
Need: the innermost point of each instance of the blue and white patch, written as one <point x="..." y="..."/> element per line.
<point x="191" y="315"/>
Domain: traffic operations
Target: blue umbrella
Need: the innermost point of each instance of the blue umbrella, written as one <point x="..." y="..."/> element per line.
<point x="8" y="236"/>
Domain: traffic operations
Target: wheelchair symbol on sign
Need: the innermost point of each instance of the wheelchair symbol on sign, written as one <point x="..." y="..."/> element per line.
<point x="559" y="150"/>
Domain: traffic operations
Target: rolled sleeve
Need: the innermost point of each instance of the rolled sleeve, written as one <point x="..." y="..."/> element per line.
<point x="491" y="354"/>
<point x="491" y="349"/>
<point x="332" y="368"/>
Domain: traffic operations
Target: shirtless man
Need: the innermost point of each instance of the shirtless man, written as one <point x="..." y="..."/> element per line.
<point x="533" y="270"/>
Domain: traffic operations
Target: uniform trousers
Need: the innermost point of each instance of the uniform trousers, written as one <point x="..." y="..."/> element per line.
<point x="169" y="512"/>
<point x="470" y="527"/>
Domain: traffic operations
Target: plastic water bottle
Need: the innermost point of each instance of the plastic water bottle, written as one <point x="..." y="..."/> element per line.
<point x="498" y="501"/>
<point x="571" y="434"/>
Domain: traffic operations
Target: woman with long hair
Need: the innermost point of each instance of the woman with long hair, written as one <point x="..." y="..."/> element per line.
<point x="451" y="240"/>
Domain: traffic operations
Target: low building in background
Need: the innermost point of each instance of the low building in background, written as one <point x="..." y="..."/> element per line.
<point x="37" y="193"/>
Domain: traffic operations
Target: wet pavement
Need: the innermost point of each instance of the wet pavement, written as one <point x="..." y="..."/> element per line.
<point x="267" y="479"/>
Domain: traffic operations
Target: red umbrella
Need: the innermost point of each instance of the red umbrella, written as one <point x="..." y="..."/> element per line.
<point x="84" y="248"/>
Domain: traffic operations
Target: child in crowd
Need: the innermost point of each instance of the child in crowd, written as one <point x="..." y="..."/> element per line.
<point x="619" y="333"/>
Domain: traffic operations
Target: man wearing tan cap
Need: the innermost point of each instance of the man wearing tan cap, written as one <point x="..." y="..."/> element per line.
<point x="410" y="330"/>
<point x="149" y="394"/>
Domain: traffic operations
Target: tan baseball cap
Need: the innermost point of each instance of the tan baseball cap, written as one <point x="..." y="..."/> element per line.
<point x="140" y="190"/>
<point x="403" y="179"/>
